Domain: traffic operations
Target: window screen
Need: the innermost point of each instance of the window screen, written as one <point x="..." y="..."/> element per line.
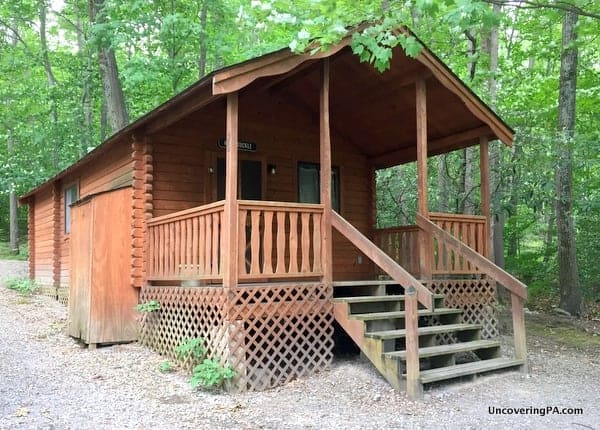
<point x="309" y="184"/>
<point x="71" y="196"/>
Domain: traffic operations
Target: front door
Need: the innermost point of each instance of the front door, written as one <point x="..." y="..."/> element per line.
<point x="250" y="179"/>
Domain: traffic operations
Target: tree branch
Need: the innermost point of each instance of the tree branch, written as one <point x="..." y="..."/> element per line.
<point x="534" y="4"/>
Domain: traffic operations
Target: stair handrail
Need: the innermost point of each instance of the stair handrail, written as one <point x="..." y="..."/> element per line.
<point x="381" y="259"/>
<point x="497" y="273"/>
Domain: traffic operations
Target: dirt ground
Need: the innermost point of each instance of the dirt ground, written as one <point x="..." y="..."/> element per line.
<point x="49" y="381"/>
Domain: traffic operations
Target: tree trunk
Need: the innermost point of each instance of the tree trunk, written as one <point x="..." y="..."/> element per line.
<point x="42" y="9"/>
<point x="568" y="272"/>
<point x="202" y="49"/>
<point x="469" y="186"/>
<point x="86" y="97"/>
<point x="496" y="188"/>
<point x="442" y="182"/>
<point x="13" y="217"/>
<point x="113" y="92"/>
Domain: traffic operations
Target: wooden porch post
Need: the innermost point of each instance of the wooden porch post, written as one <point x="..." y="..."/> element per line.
<point x="229" y="230"/>
<point x="484" y="169"/>
<point x="325" y="159"/>
<point x="425" y="241"/>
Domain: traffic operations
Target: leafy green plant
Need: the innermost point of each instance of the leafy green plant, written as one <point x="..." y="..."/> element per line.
<point x="150" y="306"/>
<point x="191" y="348"/>
<point x="207" y="373"/>
<point x="210" y="374"/>
<point x="24" y="286"/>
<point x="166" y="367"/>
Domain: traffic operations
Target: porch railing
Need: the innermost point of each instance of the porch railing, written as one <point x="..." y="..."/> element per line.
<point x="276" y="240"/>
<point x="469" y="229"/>
<point x="402" y="244"/>
<point x="279" y="240"/>
<point x="186" y="244"/>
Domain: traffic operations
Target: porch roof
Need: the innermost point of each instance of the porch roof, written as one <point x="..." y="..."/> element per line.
<point x="373" y="111"/>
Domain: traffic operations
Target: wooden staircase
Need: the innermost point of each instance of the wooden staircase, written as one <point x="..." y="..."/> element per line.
<point x="373" y="314"/>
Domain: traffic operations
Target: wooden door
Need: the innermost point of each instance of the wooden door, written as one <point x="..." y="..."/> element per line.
<point x="251" y="178"/>
<point x="112" y="314"/>
<point x="80" y="270"/>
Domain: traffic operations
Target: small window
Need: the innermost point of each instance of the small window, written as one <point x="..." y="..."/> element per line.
<point x="71" y="196"/>
<point x="309" y="184"/>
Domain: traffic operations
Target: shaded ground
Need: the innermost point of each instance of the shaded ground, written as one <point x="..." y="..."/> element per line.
<point x="49" y="381"/>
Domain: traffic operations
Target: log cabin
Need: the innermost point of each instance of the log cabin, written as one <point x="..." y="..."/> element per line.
<point x="246" y="207"/>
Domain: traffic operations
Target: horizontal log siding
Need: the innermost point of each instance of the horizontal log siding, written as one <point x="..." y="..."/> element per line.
<point x="112" y="170"/>
<point x="44" y="238"/>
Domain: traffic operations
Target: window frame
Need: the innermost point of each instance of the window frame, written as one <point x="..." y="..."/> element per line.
<point x="335" y="173"/>
<point x="68" y="191"/>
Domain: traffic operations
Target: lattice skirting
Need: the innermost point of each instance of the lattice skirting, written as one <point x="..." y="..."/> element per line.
<point x="61" y="293"/>
<point x="270" y="333"/>
<point x="477" y="299"/>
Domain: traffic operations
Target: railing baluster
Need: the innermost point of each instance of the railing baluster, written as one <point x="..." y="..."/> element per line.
<point x="304" y="243"/>
<point x="268" y="243"/>
<point x="202" y="268"/>
<point x="293" y="242"/>
<point x="195" y="237"/>
<point x="243" y="248"/>
<point x="207" y="245"/>
<point x="216" y="226"/>
<point x="255" y="242"/>
<point x="280" y="266"/>
<point x="316" y="242"/>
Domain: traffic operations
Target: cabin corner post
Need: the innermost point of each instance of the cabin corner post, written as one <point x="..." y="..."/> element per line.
<point x="425" y="240"/>
<point x="484" y="170"/>
<point x="142" y="207"/>
<point x="57" y="234"/>
<point x="229" y="231"/>
<point x="325" y="177"/>
<point x="31" y="235"/>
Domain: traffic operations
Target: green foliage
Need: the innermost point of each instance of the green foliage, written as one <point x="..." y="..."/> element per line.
<point x="23" y="286"/>
<point x="7" y="254"/>
<point x="166" y="367"/>
<point x="149" y="306"/>
<point x="207" y="373"/>
<point x="191" y="349"/>
<point x="210" y="374"/>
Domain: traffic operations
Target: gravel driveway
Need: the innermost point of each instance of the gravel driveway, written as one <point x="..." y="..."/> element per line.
<point x="49" y="381"/>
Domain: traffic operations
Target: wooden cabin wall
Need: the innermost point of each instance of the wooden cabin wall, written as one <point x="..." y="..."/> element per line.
<point x="284" y="135"/>
<point x="44" y="238"/>
<point x="107" y="172"/>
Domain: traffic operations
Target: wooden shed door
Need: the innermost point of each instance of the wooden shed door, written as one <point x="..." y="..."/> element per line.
<point x="250" y="181"/>
<point x="81" y="259"/>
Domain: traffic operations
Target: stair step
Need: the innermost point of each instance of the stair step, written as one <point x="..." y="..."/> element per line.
<point x="369" y="299"/>
<point x="364" y="283"/>
<point x="442" y="373"/>
<point x="449" y="328"/>
<point x="401" y="314"/>
<point x="432" y="351"/>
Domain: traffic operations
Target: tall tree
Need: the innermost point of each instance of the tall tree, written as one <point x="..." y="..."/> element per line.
<point x="116" y="110"/>
<point x="42" y="12"/>
<point x="568" y="272"/>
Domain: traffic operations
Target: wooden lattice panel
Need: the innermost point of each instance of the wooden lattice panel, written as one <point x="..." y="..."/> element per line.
<point x="477" y="299"/>
<point x="185" y="313"/>
<point x="47" y="291"/>
<point x="279" y="332"/>
<point x="270" y="334"/>
<point x="63" y="295"/>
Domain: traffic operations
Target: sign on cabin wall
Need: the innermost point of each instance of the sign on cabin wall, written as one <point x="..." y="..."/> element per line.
<point x="242" y="146"/>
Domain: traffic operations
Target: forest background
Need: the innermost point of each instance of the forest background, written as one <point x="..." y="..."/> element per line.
<point x="73" y="72"/>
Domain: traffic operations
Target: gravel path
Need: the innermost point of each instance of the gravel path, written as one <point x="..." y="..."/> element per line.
<point x="49" y="381"/>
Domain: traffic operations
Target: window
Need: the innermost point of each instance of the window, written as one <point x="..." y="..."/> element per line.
<point x="71" y="196"/>
<point x="309" y="184"/>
